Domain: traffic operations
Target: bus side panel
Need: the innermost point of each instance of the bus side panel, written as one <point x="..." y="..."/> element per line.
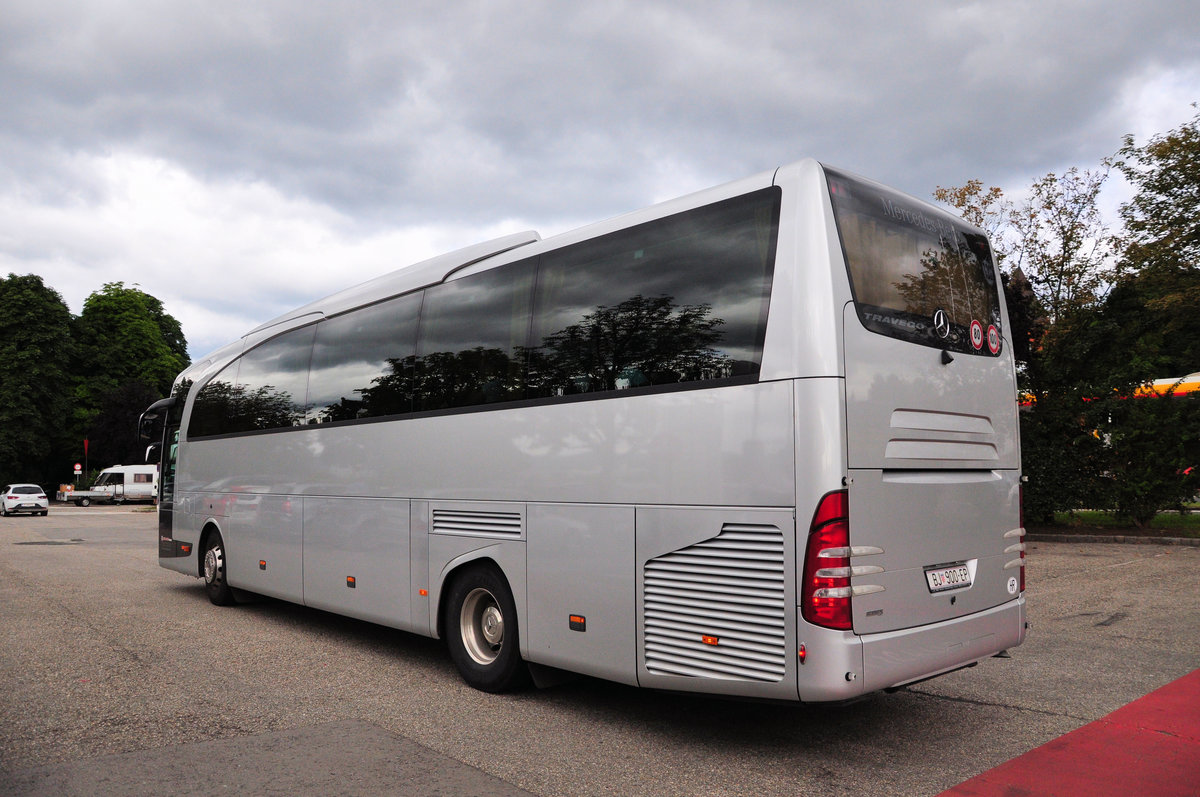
<point x="804" y="331"/>
<point x="423" y="621"/>
<point x="356" y="558"/>
<point x="715" y="611"/>
<point x="582" y="624"/>
<point x="264" y="537"/>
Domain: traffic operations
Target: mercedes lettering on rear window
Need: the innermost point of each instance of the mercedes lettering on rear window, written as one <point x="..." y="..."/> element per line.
<point x="917" y="274"/>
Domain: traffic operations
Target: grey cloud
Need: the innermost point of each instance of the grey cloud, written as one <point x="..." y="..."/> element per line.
<point x="395" y="113"/>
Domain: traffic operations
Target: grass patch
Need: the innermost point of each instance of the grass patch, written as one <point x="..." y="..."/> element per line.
<point x="1182" y="525"/>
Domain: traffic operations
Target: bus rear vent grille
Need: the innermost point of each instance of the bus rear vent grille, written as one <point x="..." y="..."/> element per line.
<point x="716" y="609"/>
<point x="477" y="523"/>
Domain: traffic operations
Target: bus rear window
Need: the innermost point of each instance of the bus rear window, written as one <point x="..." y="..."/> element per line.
<point x="917" y="273"/>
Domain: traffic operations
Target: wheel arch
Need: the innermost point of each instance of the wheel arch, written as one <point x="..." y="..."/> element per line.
<point x="210" y="528"/>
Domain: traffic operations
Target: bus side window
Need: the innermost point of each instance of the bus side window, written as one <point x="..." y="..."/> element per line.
<point x="362" y="362"/>
<point x="471" y="345"/>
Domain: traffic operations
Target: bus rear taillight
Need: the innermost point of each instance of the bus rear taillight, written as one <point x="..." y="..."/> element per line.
<point x="825" y="595"/>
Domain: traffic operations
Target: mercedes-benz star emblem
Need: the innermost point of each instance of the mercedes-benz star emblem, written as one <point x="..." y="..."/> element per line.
<point x="941" y="324"/>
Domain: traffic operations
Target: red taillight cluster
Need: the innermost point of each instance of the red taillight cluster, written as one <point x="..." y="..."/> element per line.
<point x="825" y="592"/>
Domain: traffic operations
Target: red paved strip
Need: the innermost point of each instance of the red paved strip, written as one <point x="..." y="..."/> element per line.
<point x="1149" y="747"/>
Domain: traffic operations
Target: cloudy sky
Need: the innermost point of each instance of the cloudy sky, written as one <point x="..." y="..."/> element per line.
<point x="237" y="159"/>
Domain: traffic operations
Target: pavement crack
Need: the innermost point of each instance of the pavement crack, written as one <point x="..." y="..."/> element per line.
<point x="991" y="704"/>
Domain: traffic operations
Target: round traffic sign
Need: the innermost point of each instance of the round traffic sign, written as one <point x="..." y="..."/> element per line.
<point x="977" y="334"/>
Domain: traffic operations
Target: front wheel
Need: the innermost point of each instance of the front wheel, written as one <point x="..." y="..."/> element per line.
<point x="218" y="589"/>
<point x="481" y="631"/>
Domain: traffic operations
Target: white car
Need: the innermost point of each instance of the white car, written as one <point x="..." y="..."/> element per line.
<point x="24" y="498"/>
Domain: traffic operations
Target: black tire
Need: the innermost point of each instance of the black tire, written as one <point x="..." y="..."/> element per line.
<point x="84" y="502"/>
<point x="213" y="572"/>
<point x="480" y="621"/>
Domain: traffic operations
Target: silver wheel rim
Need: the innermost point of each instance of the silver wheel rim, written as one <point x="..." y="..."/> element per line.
<point x="214" y="561"/>
<point x="481" y="626"/>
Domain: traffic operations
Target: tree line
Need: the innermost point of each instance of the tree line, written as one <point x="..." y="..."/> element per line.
<point x="68" y="379"/>
<point x="1097" y="313"/>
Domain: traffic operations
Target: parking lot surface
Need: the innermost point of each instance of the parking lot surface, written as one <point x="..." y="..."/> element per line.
<point x="120" y="678"/>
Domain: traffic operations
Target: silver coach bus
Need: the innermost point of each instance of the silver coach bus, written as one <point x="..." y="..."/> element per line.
<point x="758" y="441"/>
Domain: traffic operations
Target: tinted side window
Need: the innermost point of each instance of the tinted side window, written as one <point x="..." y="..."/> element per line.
<point x="362" y="362"/>
<point x="272" y="382"/>
<point x="213" y="409"/>
<point x="471" y="347"/>
<point x="676" y="300"/>
<point x="265" y="389"/>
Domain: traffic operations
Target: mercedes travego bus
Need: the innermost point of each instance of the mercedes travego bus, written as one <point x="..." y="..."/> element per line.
<point x="759" y="441"/>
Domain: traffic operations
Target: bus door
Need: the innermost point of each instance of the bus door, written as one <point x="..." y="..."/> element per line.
<point x="165" y="452"/>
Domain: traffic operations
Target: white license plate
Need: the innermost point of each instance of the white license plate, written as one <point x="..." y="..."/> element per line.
<point x="941" y="579"/>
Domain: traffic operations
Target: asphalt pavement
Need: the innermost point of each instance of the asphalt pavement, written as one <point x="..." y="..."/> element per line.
<point x="120" y="678"/>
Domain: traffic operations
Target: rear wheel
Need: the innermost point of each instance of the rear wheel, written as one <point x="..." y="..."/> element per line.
<point x="84" y="502"/>
<point x="215" y="584"/>
<point x="481" y="631"/>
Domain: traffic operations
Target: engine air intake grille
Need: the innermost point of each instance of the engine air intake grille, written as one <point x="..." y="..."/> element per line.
<point x="476" y="523"/>
<point x="716" y="609"/>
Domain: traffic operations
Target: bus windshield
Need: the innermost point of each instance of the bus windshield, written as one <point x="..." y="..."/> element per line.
<point x="916" y="274"/>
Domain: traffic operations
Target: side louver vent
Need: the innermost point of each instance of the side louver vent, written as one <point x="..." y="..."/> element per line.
<point x="716" y="609"/>
<point x="473" y="523"/>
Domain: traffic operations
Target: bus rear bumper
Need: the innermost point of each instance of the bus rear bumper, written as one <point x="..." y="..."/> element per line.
<point x="895" y="658"/>
<point x="850" y="666"/>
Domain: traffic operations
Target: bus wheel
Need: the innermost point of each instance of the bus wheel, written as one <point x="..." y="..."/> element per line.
<point x="481" y="631"/>
<point x="215" y="585"/>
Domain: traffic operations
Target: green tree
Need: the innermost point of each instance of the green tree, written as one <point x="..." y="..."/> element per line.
<point x="1162" y="225"/>
<point x="127" y="345"/>
<point x="1151" y="328"/>
<point x="1055" y="237"/>
<point x="1064" y="246"/>
<point x="1077" y="338"/>
<point x="35" y="350"/>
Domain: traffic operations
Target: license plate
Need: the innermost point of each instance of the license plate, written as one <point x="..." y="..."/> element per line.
<point x="941" y="579"/>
